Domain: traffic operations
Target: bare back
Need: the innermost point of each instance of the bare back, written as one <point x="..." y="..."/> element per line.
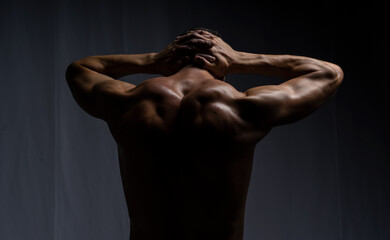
<point x="186" y="141"/>
<point x="185" y="154"/>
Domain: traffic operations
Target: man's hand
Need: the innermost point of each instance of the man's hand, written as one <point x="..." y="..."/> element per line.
<point x="223" y="53"/>
<point x="181" y="52"/>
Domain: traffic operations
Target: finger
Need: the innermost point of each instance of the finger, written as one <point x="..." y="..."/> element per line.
<point x="182" y="49"/>
<point x="209" y="36"/>
<point x="199" y="43"/>
<point x="184" y="60"/>
<point x="190" y="49"/>
<point x="208" y="57"/>
<point x="205" y="34"/>
<point x="190" y="35"/>
<point x="202" y="62"/>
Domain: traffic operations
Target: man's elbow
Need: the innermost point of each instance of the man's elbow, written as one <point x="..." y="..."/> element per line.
<point x="334" y="76"/>
<point x="333" y="72"/>
<point x="72" y="71"/>
<point x="338" y="73"/>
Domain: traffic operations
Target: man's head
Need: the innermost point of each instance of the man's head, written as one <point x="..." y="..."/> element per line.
<point x="200" y="41"/>
<point x="200" y="47"/>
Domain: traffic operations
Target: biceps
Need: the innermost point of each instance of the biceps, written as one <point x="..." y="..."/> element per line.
<point x="97" y="94"/>
<point x="102" y="100"/>
<point x="83" y="79"/>
<point x="272" y="106"/>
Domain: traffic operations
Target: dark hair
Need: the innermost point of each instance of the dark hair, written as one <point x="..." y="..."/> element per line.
<point x="214" y="32"/>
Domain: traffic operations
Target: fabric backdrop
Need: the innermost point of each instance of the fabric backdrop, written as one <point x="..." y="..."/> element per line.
<point x="323" y="178"/>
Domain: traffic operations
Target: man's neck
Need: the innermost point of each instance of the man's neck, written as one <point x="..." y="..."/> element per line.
<point x="192" y="72"/>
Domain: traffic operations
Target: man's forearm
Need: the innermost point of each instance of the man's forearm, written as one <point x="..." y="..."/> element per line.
<point x="119" y="65"/>
<point x="283" y="66"/>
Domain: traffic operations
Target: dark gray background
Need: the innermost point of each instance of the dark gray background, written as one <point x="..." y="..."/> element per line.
<point x="323" y="178"/>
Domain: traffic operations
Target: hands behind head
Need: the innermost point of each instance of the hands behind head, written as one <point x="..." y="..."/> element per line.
<point x="200" y="48"/>
<point x="223" y="57"/>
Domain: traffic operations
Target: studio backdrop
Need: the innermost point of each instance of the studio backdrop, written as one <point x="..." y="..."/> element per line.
<point x="323" y="178"/>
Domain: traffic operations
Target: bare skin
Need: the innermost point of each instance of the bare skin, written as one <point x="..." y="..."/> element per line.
<point x="186" y="139"/>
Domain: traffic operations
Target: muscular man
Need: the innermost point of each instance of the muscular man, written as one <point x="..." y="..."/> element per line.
<point x="186" y="139"/>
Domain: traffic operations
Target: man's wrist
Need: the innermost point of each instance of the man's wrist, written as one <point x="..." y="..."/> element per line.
<point x="239" y="61"/>
<point x="150" y="64"/>
<point x="245" y="62"/>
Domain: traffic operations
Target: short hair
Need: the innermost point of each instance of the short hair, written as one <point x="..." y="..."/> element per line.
<point x="214" y="32"/>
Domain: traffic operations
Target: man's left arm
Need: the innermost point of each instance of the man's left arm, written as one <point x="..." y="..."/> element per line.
<point x="93" y="80"/>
